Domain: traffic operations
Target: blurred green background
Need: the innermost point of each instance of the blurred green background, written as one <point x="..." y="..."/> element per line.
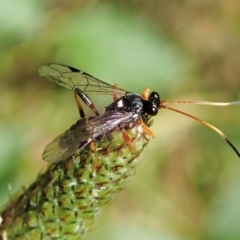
<point x="188" y="184"/>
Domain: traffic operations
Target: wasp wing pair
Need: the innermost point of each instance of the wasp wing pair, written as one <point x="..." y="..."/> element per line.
<point x="81" y="134"/>
<point x="86" y="129"/>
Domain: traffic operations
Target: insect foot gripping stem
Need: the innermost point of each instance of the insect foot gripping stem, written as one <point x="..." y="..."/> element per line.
<point x="64" y="201"/>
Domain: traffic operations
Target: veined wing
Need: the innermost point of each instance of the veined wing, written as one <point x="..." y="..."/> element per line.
<point x="81" y="134"/>
<point x="77" y="80"/>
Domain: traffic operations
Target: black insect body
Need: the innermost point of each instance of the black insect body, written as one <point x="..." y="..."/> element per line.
<point x="136" y="105"/>
<point x="126" y="108"/>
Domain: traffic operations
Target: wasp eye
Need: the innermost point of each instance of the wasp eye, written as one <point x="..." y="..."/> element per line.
<point x="154" y="98"/>
<point x="153" y="110"/>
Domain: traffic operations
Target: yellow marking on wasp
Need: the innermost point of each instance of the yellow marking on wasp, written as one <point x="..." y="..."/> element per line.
<point x="145" y="93"/>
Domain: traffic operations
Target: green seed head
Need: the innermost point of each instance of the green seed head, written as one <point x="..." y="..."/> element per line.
<point x="65" y="200"/>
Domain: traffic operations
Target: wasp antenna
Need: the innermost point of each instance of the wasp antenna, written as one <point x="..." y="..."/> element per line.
<point x="206" y="124"/>
<point x="232" y="146"/>
<point x="218" y="104"/>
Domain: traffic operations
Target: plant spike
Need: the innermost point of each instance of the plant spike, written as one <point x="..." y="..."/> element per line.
<point x="65" y="200"/>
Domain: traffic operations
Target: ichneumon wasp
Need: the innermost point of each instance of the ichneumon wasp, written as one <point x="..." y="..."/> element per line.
<point x="127" y="107"/>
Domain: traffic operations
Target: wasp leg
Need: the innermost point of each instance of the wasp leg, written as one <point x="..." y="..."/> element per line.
<point x="127" y="139"/>
<point x="145" y="93"/>
<point x="88" y="102"/>
<point x="79" y="106"/>
<point x="146" y="129"/>
<point x="115" y="93"/>
<point x="93" y="150"/>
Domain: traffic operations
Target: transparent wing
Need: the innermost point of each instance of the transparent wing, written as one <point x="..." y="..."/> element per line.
<point x="77" y="80"/>
<point x="81" y="134"/>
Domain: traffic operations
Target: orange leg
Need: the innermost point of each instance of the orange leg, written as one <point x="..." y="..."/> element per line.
<point x="87" y="101"/>
<point x="146" y="129"/>
<point x="127" y="139"/>
<point x="115" y="93"/>
<point x="145" y="93"/>
<point x="79" y="106"/>
<point x="93" y="149"/>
